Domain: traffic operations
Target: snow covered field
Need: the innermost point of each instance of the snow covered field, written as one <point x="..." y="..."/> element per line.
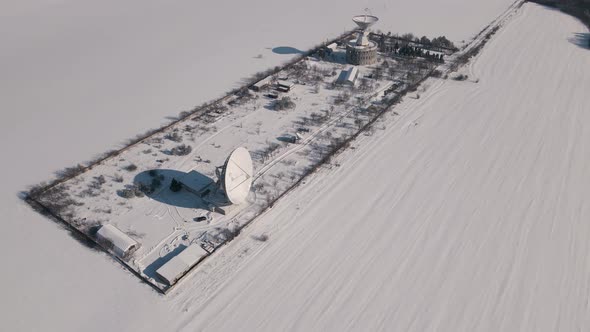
<point x="59" y="68"/>
<point x="130" y="190"/>
<point x="471" y="214"/>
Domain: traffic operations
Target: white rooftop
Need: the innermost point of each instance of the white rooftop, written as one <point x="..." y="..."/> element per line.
<point x="286" y="83"/>
<point x="349" y="75"/>
<point x="263" y="81"/>
<point x="122" y="243"/>
<point x="179" y="264"/>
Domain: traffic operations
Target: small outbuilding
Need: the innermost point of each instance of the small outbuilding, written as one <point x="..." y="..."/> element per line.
<point x="176" y="267"/>
<point x="285" y="86"/>
<point x="349" y="76"/>
<point x="117" y="241"/>
<point x="260" y="85"/>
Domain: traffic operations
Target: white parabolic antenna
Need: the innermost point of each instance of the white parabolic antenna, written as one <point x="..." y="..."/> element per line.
<point x="237" y="175"/>
<point x="365" y="21"/>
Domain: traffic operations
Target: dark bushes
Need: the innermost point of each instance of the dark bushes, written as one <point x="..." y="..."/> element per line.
<point x="130" y="167"/>
<point x="181" y="150"/>
<point x="175" y="186"/>
<point x="284" y="103"/>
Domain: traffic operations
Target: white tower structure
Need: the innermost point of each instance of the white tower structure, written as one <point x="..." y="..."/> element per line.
<point x="362" y="51"/>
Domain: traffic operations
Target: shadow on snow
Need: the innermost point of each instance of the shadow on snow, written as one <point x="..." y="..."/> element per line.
<point x="286" y="50"/>
<point x="581" y="39"/>
<point x="183" y="198"/>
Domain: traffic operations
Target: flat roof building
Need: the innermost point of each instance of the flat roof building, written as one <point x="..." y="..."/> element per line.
<point x="263" y="83"/>
<point x="284" y="86"/>
<point x="175" y="268"/>
<point x="349" y="76"/>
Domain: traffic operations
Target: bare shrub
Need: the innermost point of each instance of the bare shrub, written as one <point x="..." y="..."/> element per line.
<point x="461" y="77"/>
<point x="174" y="136"/>
<point x="175" y="186"/>
<point x="70" y="171"/>
<point x="98" y="181"/>
<point x="181" y="150"/>
<point x="126" y="193"/>
<point x="341" y="98"/>
<point x="261" y="237"/>
<point x="117" y="178"/>
<point x="284" y="103"/>
<point x="267" y="152"/>
<point x="130" y="167"/>
<point x="228" y="234"/>
<point x="258" y="186"/>
<point x="135" y="190"/>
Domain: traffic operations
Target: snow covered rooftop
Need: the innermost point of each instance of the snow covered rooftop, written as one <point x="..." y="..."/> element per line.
<point x="122" y="243"/>
<point x="179" y="264"/>
<point x="349" y="76"/>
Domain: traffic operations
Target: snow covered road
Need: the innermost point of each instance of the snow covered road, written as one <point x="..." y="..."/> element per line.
<point x="469" y="213"/>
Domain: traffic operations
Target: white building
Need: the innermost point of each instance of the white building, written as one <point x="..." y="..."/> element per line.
<point x="284" y="86"/>
<point x="349" y="76"/>
<point x="120" y="243"/>
<point x="175" y="268"/>
<point x="263" y="83"/>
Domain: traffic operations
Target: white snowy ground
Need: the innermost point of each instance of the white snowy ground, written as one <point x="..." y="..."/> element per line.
<point x="78" y="76"/>
<point x="469" y="214"/>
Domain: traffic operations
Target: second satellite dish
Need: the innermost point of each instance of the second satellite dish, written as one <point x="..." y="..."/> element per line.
<point x="237" y="175"/>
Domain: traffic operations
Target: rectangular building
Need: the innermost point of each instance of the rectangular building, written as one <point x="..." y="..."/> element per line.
<point x="349" y="76"/>
<point x="117" y="241"/>
<point x="263" y="83"/>
<point x="176" y="267"/>
<point x="285" y="86"/>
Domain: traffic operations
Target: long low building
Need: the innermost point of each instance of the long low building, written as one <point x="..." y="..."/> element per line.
<point x="117" y="241"/>
<point x="175" y="268"/>
<point x="349" y="76"/>
<point x="263" y="83"/>
<point x="285" y="86"/>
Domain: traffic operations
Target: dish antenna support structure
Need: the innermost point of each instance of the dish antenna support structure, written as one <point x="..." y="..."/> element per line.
<point x="362" y="51"/>
<point x="364" y="22"/>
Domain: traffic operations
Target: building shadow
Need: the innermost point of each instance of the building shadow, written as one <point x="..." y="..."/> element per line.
<point x="160" y="179"/>
<point x="581" y="39"/>
<point x="338" y="57"/>
<point x="341" y="76"/>
<point x="283" y="50"/>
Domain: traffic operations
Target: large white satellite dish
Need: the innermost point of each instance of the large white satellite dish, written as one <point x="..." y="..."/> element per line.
<point x="237" y="175"/>
<point x="365" y="21"/>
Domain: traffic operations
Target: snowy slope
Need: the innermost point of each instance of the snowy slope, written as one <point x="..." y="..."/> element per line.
<point x="469" y="214"/>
